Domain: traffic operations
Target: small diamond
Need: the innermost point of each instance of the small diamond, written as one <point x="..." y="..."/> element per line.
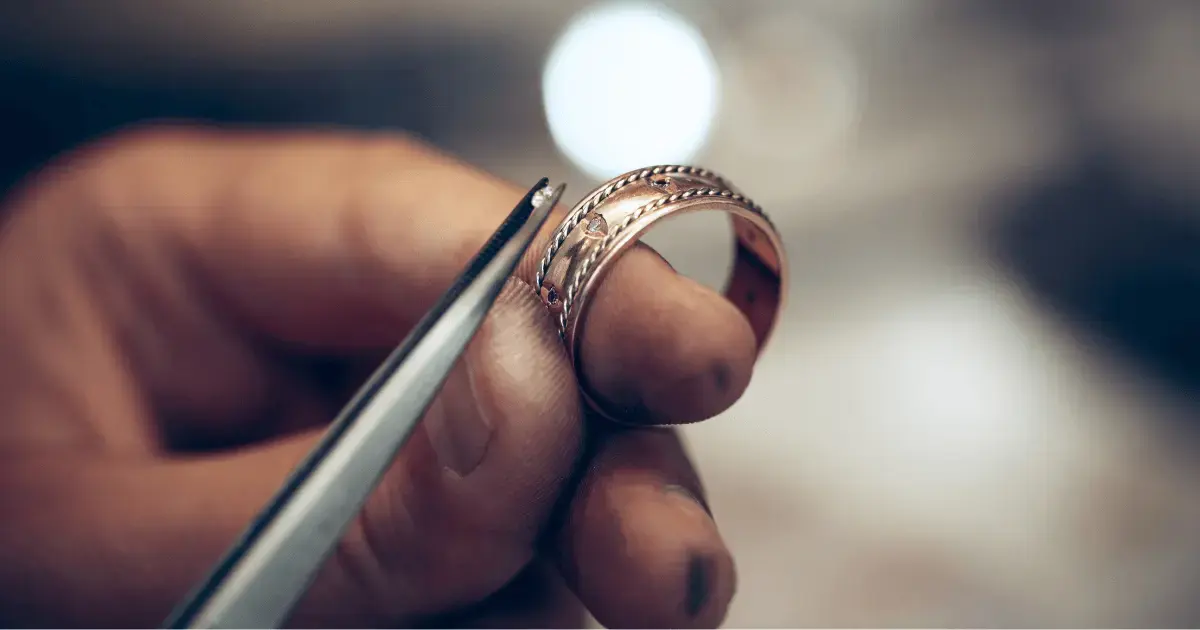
<point x="541" y="196"/>
<point x="596" y="225"/>
<point x="552" y="296"/>
<point x="661" y="183"/>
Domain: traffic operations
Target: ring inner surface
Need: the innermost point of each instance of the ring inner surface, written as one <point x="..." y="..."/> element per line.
<point x="754" y="285"/>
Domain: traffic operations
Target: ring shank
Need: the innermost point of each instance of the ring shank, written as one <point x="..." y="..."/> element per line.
<point x="579" y="265"/>
<point x="755" y="284"/>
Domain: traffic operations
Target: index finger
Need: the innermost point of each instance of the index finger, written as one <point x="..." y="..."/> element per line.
<point x="337" y="242"/>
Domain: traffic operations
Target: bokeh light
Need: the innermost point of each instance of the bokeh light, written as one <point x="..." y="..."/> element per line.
<point x="629" y="84"/>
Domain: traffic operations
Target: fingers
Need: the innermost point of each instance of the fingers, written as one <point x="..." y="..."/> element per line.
<point x="332" y="241"/>
<point x="453" y="520"/>
<point x="459" y="517"/>
<point x="663" y="348"/>
<point x="639" y="546"/>
<point x="327" y="241"/>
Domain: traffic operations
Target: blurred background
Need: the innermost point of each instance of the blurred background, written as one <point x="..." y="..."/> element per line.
<point x="979" y="408"/>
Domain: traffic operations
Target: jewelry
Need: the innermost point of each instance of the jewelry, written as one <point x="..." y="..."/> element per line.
<point x="613" y="217"/>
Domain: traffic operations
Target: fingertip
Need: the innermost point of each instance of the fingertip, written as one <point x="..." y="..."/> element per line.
<point x="713" y="376"/>
<point x="661" y="348"/>
<point x="640" y="548"/>
<point x="706" y="576"/>
<point x="653" y="560"/>
<point x="709" y="580"/>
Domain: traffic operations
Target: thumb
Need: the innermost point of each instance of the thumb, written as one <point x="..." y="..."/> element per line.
<point x="455" y="518"/>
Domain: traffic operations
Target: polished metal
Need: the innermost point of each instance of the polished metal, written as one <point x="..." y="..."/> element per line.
<point x="609" y="220"/>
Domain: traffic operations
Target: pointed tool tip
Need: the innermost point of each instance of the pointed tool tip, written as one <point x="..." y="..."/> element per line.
<point x="545" y="200"/>
<point x="556" y="193"/>
<point x="546" y="193"/>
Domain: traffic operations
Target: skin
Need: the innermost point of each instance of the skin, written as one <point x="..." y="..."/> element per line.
<point x="182" y="309"/>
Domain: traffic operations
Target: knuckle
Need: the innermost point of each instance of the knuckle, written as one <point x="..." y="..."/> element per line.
<point x="140" y="136"/>
<point x="133" y="148"/>
<point x="381" y="566"/>
<point x="106" y="174"/>
<point x="383" y="150"/>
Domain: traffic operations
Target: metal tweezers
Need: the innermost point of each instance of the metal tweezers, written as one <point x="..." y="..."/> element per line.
<point x="271" y="566"/>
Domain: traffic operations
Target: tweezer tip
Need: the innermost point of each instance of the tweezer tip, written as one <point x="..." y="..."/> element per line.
<point x="547" y="194"/>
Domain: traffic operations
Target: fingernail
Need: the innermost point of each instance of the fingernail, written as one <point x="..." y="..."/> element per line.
<point x="699" y="582"/>
<point x="458" y="427"/>
<point x="690" y="496"/>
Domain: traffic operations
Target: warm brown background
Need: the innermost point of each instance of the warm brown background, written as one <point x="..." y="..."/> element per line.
<point x="980" y="406"/>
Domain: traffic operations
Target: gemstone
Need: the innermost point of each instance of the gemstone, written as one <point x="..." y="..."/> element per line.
<point x="596" y="225"/>
<point x="552" y="296"/>
<point x="541" y="196"/>
<point x="662" y="183"/>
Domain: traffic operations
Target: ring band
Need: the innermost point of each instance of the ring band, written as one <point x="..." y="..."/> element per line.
<point x="613" y="217"/>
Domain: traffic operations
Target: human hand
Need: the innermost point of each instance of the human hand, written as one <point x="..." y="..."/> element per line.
<point x="182" y="310"/>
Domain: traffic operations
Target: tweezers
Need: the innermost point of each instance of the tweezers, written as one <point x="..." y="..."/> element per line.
<point x="266" y="572"/>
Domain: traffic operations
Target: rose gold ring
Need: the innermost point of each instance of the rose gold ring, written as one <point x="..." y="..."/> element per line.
<point x="613" y="217"/>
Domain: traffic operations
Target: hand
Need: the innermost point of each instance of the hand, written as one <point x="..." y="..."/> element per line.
<point x="182" y="310"/>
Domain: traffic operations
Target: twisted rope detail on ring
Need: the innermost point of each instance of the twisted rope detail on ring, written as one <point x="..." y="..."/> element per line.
<point x="573" y="220"/>
<point x="584" y="272"/>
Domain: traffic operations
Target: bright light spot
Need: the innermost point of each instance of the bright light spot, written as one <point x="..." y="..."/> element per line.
<point x="629" y="85"/>
<point x="955" y="388"/>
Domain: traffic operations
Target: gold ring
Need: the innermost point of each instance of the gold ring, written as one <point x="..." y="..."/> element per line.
<point x="613" y="217"/>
